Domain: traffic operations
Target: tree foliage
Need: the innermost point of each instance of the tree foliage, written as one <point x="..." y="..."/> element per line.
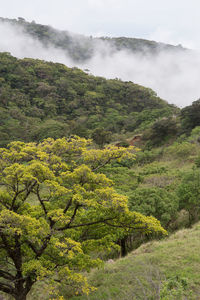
<point x="190" y="116"/>
<point x="157" y="202"/>
<point x="101" y="136"/>
<point x="189" y="194"/>
<point x="162" y="130"/>
<point x="55" y="209"/>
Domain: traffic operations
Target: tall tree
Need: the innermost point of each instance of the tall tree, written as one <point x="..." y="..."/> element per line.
<point x="55" y="209"/>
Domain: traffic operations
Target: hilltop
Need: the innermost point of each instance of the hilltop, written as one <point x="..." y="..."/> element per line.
<point x="80" y="48"/>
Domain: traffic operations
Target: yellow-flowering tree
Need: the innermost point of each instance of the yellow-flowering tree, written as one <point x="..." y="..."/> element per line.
<point x="55" y="209"/>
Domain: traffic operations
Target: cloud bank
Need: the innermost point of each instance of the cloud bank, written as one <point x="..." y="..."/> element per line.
<point x="173" y="76"/>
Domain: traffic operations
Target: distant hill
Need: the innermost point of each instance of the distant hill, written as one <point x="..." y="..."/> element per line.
<point x="81" y="48"/>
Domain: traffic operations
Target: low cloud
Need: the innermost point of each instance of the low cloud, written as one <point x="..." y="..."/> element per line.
<point x="174" y="76"/>
<point x="19" y="44"/>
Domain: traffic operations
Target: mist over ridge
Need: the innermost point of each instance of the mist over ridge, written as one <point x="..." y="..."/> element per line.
<point x="172" y="72"/>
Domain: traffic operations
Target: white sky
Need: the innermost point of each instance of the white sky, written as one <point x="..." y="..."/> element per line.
<point x="171" y="21"/>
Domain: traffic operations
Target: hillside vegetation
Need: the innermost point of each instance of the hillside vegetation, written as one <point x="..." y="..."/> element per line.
<point x="166" y="269"/>
<point x="161" y="180"/>
<point x="40" y="100"/>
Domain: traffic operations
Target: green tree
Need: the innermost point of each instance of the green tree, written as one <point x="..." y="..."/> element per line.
<point x="190" y="116"/>
<point x="162" y="130"/>
<point x="101" y="136"/>
<point x="154" y="201"/>
<point x="189" y="194"/>
<point x="55" y="209"/>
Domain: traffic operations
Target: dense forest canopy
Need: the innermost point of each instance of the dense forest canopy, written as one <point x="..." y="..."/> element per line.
<point x="41" y="99"/>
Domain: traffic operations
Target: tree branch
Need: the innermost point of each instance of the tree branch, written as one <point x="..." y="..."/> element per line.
<point x="6" y="275"/>
<point x="7" y="247"/>
<point x="7" y="288"/>
<point x="105" y="163"/>
<point x="72" y="218"/>
<point x="52" y="223"/>
<point x="28" y="284"/>
<point x="44" y="246"/>
<point x="126" y="226"/>
<point x="29" y="189"/>
<point x="67" y="206"/>
<point x="17" y="193"/>
<point x="41" y="201"/>
<point x="74" y="214"/>
<point x="85" y="224"/>
<point x="32" y="247"/>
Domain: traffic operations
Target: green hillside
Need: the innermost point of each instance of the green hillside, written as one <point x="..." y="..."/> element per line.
<point x="161" y="179"/>
<point x="166" y="269"/>
<point x="163" y="182"/>
<point x="41" y="99"/>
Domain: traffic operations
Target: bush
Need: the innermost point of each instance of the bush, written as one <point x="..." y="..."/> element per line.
<point x="156" y="202"/>
<point x="161" y="130"/>
<point x="154" y="168"/>
<point x="181" y="150"/>
<point x="148" y="156"/>
<point x="189" y="194"/>
<point x="174" y="288"/>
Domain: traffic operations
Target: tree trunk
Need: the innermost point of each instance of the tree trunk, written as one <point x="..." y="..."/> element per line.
<point x="123" y="247"/>
<point x="20" y="297"/>
<point x="22" y="291"/>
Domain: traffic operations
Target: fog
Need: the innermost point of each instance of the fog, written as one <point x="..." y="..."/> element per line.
<point x="21" y="45"/>
<point x="173" y="76"/>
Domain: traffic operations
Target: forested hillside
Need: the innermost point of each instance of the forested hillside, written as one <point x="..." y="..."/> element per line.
<point x="81" y="48"/>
<point x="68" y="203"/>
<point x="41" y="99"/>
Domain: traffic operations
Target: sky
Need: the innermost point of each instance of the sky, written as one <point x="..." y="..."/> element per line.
<point x="171" y="21"/>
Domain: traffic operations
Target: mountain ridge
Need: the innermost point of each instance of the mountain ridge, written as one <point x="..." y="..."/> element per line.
<point x="80" y="47"/>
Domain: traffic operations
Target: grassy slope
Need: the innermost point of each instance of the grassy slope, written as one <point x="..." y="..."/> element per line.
<point x="167" y="269"/>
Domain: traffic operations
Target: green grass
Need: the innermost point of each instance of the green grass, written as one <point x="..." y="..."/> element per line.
<point x="167" y="269"/>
